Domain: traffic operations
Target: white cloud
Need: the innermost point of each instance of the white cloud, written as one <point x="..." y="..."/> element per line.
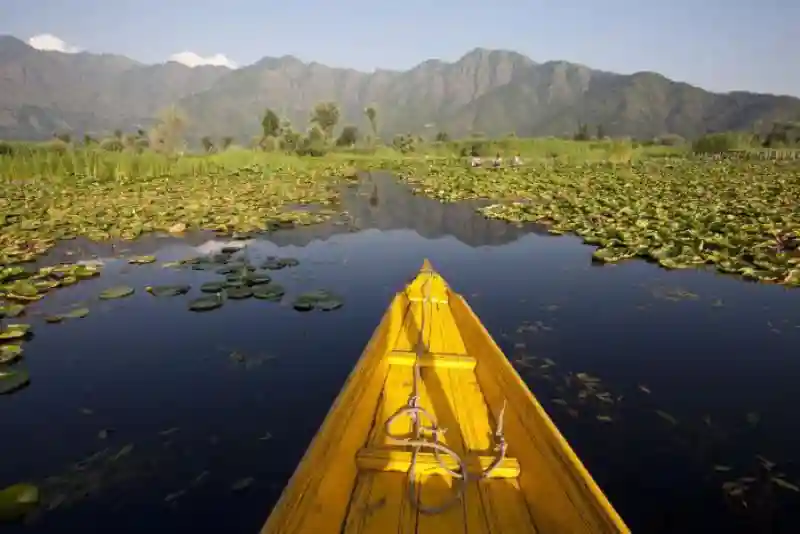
<point x="190" y="59"/>
<point x="48" y="41"/>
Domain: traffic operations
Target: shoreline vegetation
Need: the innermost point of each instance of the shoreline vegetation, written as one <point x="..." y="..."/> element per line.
<point x="727" y="200"/>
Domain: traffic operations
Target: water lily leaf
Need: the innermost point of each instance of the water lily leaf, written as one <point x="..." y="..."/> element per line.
<point x="240" y="292"/>
<point x="77" y="313"/>
<point x="17" y="501"/>
<point x="242" y="484"/>
<point x="10" y="353"/>
<point x="12" y="379"/>
<point x="257" y="278"/>
<point x="212" y="287"/>
<point x="722" y="468"/>
<point x="116" y="292"/>
<point x="272" y="292"/>
<point x="604" y="418"/>
<point x="211" y="302"/>
<point x="785" y="484"/>
<point x="289" y="262"/>
<point x="141" y="260"/>
<point x="667" y="417"/>
<point x="11" y="310"/>
<point x="319" y="299"/>
<point x="14" y="331"/>
<point x="329" y="304"/>
<point x="168" y="291"/>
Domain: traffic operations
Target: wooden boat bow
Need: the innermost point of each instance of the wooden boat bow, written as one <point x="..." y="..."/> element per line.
<point x="382" y="461"/>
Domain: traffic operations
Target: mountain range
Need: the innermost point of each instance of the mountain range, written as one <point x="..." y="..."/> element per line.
<point x="495" y="92"/>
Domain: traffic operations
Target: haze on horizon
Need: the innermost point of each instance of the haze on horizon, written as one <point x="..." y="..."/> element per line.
<point x="718" y="45"/>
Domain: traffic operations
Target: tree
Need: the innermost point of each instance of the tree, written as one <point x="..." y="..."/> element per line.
<point x="442" y="137"/>
<point x="583" y="133"/>
<point x="208" y="144"/>
<point x="601" y="132"/>
<point x="226" y="142"/>
<point x="167" y="135"/>
<point x="326" y="116"/>
<point x="348" y="137"/>
<point x="64" y="137"/>
<point x="88" y="139"/>
<point x="270" y="124"/>
<point x="372" y="116"/>
<point x="118" y="134"/>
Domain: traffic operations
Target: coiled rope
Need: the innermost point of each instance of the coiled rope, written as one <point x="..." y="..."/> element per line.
<point x="420" y="440"/>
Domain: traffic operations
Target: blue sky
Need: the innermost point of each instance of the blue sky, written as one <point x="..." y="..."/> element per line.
<point x="718" y="44"/>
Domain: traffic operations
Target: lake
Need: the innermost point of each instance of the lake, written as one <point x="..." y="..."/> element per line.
<point x="180" y="421"/>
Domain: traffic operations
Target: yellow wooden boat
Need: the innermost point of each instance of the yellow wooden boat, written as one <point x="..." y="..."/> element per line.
<point x="382" y="462"/>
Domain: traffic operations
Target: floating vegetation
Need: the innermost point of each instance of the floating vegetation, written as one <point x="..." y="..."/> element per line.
<point x="273" y="292"/>
<point x="14" y="331"/>
<point x="141" y="260"/>
<point x="64" y="197"/>
<point x="239" y="293"/>
<point x="211" y="302"/>
<point x="274" y="263"/>
<point x="319" y="299"/>
<point x="9" y="353"/>
<point x="686" y="214"/>
<point x="168" y="291"/>
<point x="17" y="501"/>
<point x="117" y="292"/>
<point x="75" y="313"/>
<point x="12" y="379"/>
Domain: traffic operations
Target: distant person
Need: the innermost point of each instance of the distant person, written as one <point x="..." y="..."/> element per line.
<point x="497" y="160"/>
<point x="517" y="161"/>
<point x="476" y="161"/>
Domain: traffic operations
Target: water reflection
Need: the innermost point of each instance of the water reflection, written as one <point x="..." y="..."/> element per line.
<point x="138" y="368"/>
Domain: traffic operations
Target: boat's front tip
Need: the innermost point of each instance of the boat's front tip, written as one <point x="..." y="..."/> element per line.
<point x="427" y="267"/>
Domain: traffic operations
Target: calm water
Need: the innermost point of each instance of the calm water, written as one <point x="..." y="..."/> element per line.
<point x="146" y="372"/>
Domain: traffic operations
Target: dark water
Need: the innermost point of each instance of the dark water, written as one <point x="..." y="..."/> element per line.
<point x="160" y="378"/>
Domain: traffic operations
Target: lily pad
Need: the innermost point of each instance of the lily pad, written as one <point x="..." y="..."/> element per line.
<point x="17" y="501"/>
<point x="11" y="310"/>
<point x="141" y="260"/>
<point x="10" y="353"/>
<point x="211" y="302"/>
<point x="14" y="331"/>
<point x="168" y="291"/>
<point x="117" y="292"/>
<point x="319" y="299"/>
<point x="77" y="313"/>
<point x="212" y="287"/>
<point x="12" y="379"/>
<point x="272" y="292"/>
<point x="240" y="292"/>
<point x="257" y="278"/>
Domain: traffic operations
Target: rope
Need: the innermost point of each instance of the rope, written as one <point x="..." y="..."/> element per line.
<point x="419" y="441"/>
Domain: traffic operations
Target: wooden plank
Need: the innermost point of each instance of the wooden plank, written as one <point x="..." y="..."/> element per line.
<point x="506" y="509"/>
<point x="445" y="361"/>
<point x="400" y="461"/>
<point x="386" y="509"/>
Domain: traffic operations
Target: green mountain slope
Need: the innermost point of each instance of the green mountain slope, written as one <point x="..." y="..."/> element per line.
<point x="491" y="91"/>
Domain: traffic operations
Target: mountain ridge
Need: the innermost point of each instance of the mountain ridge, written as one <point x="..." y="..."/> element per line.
<point x="491" y="91"/>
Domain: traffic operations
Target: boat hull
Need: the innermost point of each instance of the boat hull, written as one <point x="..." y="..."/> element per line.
<point x="354" y="477"/>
